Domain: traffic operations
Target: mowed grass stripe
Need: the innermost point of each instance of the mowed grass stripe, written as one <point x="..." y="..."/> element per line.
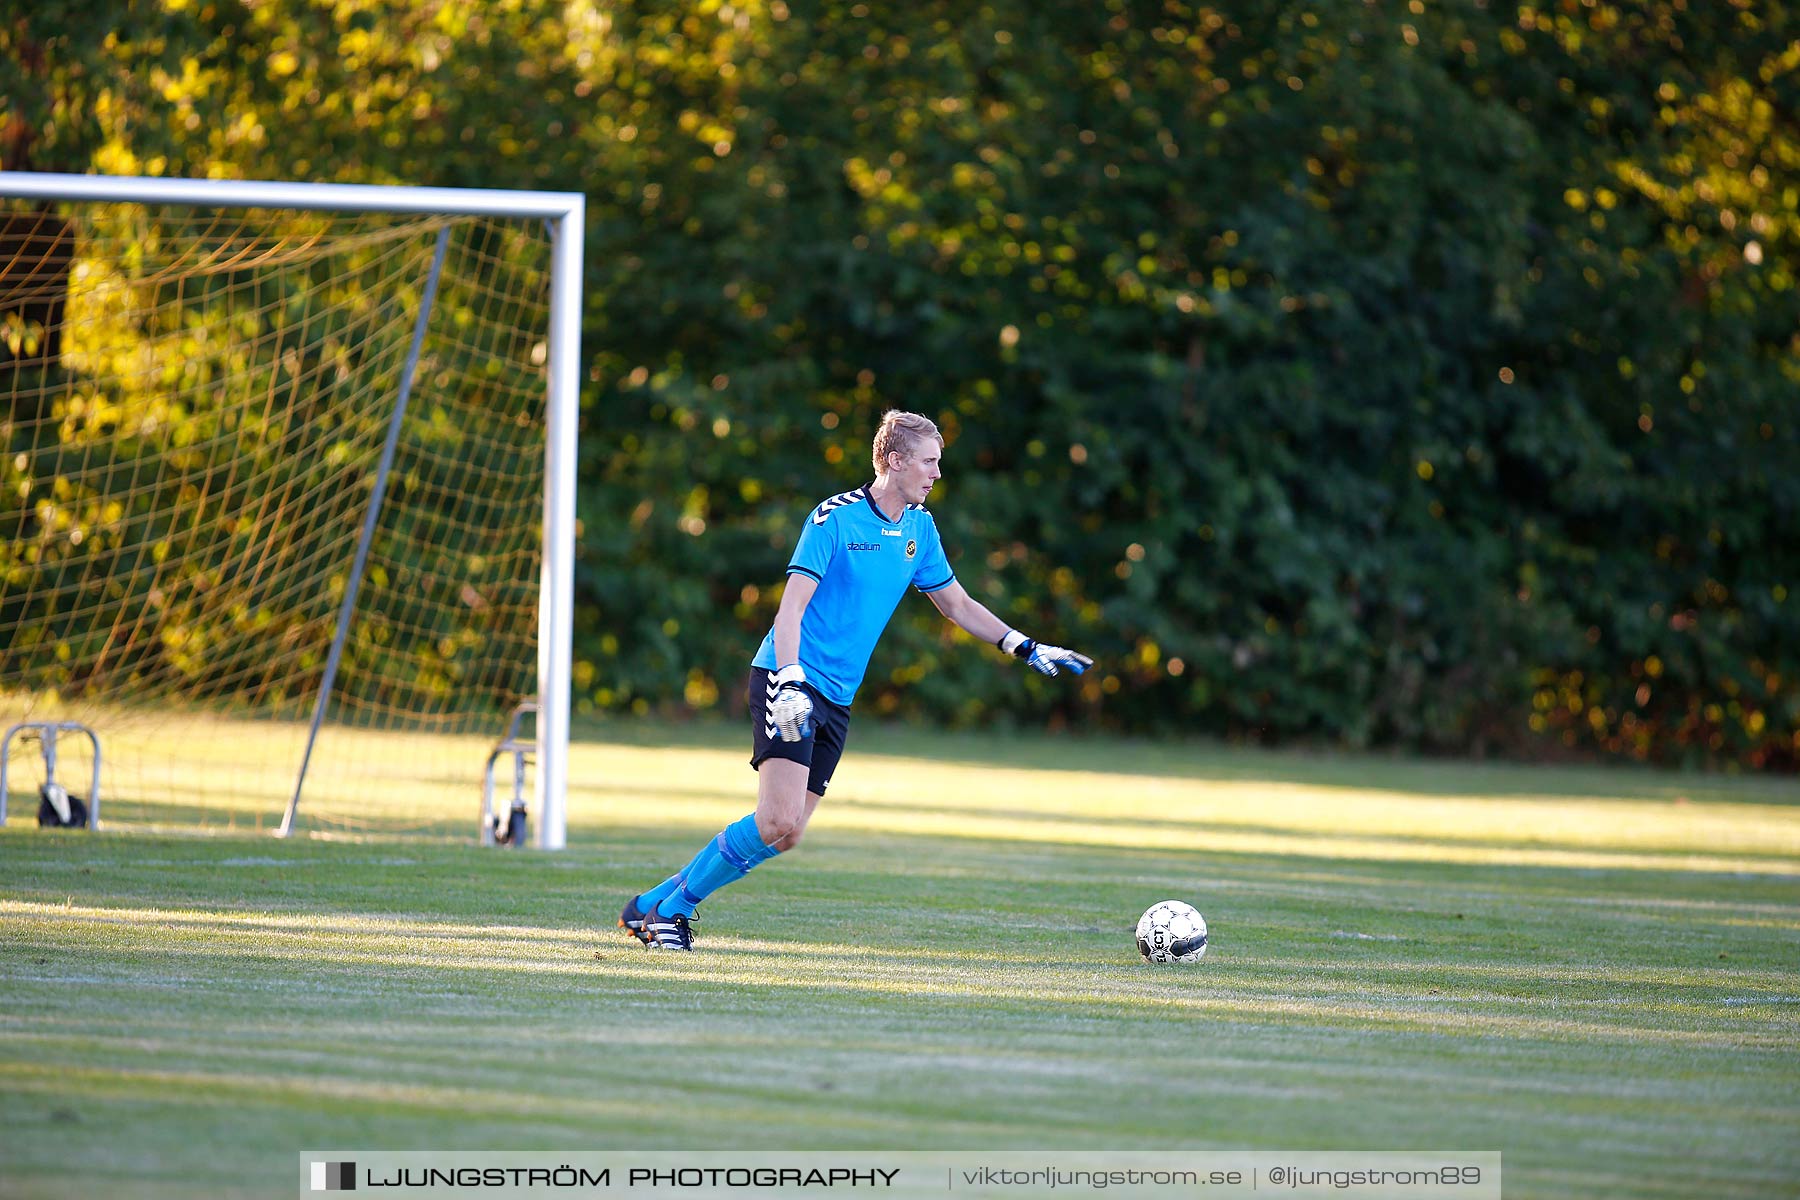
<point x="175" y="947"/>
<point x="947" y="962"/>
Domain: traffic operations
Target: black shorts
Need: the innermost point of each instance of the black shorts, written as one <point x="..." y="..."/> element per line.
<point x="819" y="750"/>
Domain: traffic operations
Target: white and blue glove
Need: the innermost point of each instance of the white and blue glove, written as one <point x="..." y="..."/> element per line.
<point x="1048" y="660"/>
<point x="790" y="708"/>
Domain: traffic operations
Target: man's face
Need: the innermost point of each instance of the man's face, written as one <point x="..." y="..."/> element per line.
<point x="914" y="473"/>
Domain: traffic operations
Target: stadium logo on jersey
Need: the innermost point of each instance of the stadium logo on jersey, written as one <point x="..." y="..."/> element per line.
<point x="912" y="547"/>
<point x="872" y="546"/>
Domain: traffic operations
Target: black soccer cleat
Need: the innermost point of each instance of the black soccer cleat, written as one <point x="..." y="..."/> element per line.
<point x="631" y="920"/>
<point x="667" y="933"/>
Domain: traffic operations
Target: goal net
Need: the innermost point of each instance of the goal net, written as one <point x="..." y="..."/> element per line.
<point x="280" y="469"/>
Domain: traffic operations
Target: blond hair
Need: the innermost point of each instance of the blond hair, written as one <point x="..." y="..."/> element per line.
<point x="902" y="433"/>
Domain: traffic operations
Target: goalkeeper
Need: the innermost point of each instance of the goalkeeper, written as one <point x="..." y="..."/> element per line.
<point x="857" y="554"/>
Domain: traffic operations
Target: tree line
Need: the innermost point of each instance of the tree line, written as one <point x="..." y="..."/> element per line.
<point x="1370" y="373"/>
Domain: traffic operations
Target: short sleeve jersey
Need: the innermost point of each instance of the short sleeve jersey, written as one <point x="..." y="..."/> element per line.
<point x="864" y="562"/>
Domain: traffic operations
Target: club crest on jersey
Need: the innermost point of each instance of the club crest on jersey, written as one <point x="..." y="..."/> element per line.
<point x="912" y="547"/>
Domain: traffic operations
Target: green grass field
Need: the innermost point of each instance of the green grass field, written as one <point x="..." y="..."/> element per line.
<point x="1596" y="972"/>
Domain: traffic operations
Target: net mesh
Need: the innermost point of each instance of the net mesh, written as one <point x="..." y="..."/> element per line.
<point x="195" y="406"/>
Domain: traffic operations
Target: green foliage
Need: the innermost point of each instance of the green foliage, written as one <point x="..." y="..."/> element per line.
<point x="1389" y="374"/>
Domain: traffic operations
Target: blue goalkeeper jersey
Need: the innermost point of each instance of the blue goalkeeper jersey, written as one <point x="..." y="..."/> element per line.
<point x="864" y="563"/>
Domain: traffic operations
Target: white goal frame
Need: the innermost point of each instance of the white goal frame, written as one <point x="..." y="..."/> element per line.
<point x="564" y="213"/>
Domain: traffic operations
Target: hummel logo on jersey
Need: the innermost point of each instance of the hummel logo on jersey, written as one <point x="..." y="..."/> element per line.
<point x="890" y="533"/>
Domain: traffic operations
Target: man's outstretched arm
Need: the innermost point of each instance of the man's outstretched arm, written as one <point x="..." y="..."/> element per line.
<point x="972" y="615"/>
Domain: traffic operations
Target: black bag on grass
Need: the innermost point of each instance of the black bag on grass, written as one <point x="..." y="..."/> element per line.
<point x="58" y="809"/>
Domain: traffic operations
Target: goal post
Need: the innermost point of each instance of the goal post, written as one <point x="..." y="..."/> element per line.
<point x="266" y="306"/>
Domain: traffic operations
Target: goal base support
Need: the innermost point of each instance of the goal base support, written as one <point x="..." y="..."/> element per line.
<point x="46" y="733"/>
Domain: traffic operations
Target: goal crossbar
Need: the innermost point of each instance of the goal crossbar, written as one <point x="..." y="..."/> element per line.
<point x="246" y="193"/>
<point x="564" y="215"/>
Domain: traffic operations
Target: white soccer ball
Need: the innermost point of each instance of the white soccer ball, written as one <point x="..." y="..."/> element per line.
<point x="1171" y="932"/>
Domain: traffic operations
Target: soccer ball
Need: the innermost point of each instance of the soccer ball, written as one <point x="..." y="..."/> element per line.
<point x="1171" y="932"/>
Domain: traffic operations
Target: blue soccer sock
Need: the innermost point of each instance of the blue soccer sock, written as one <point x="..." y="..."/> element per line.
<point x="729" y="857"/>
<point x="647" y="901"/>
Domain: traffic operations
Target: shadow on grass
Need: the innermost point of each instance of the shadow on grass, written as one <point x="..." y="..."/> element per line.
<point x="1203" y="759"/>
<point x="1470" y="987"/>
<point x="897" y="749"/>
<point x="643" y="815"/>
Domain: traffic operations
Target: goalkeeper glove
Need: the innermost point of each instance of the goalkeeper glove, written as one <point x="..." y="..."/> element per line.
<point x="1046" y="659"/>
<point x="790" y="708"/>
